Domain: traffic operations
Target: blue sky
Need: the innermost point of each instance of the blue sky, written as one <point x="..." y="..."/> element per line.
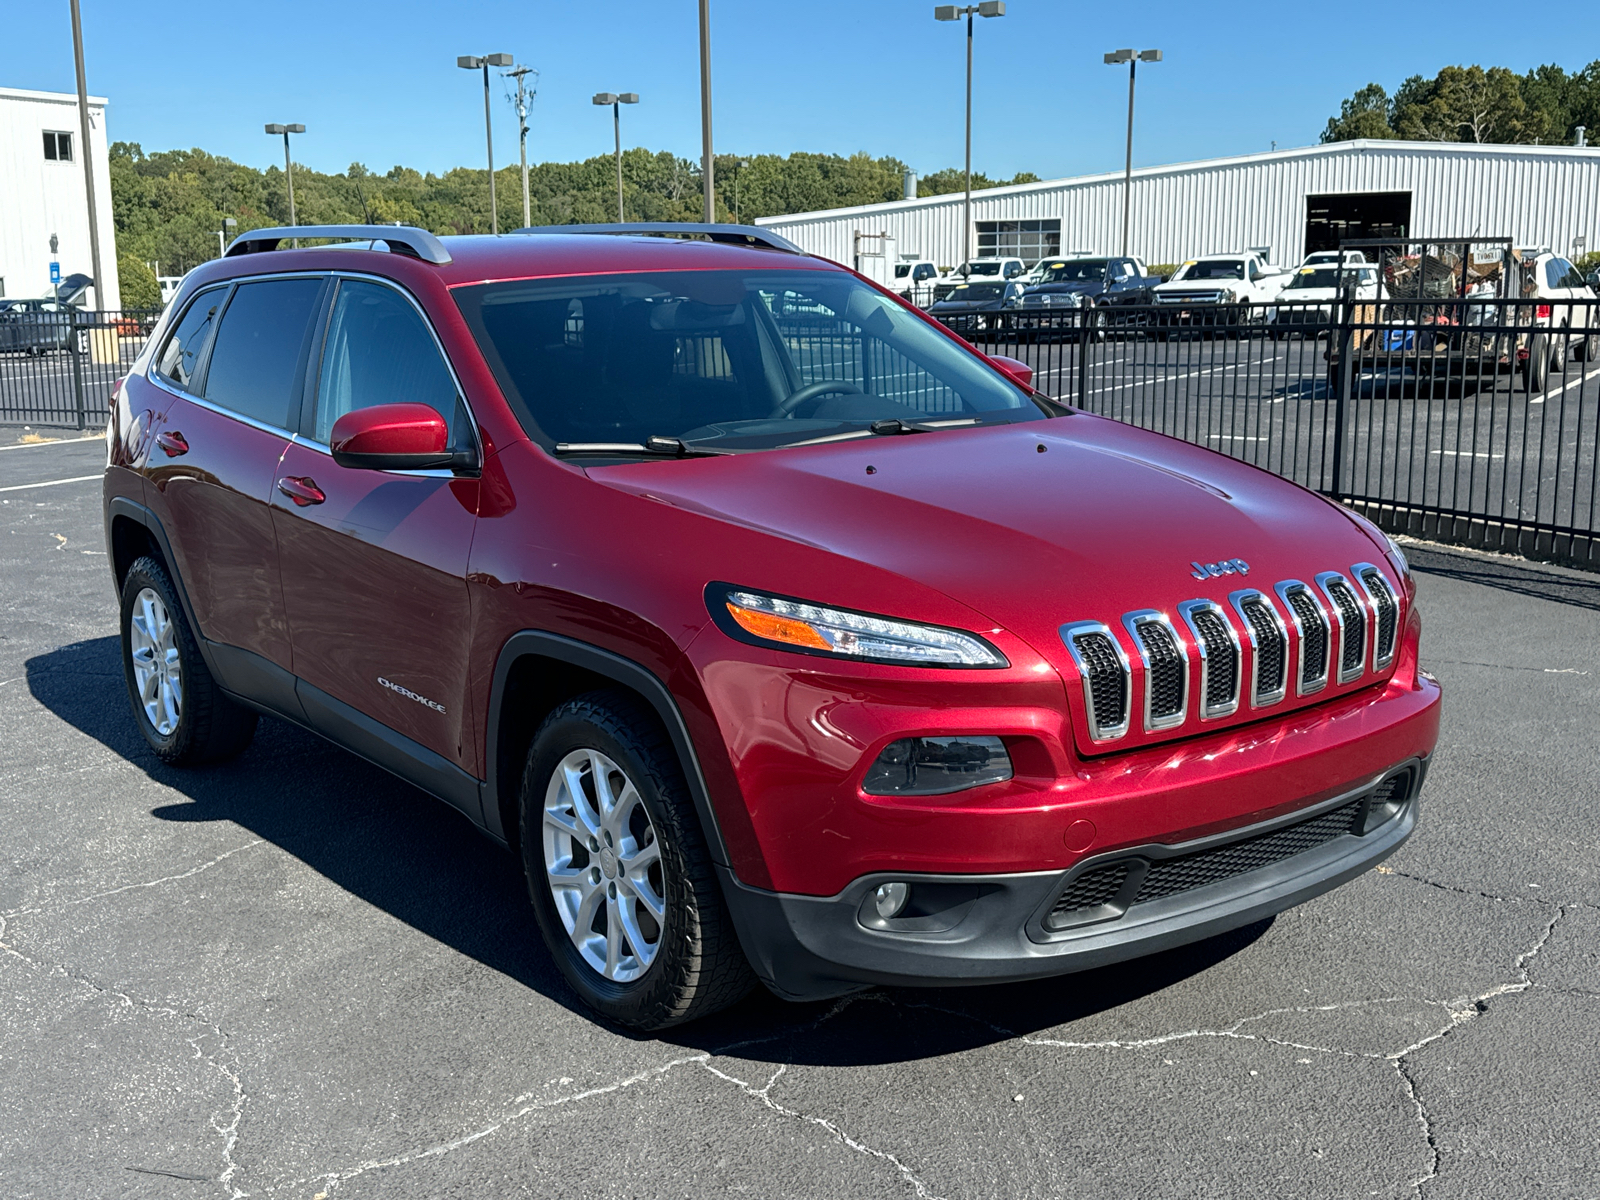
<point x="378" y="84"/>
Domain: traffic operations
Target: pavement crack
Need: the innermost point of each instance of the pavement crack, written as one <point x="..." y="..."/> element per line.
<point x="1403" y="1070"/>
<point x="132" y="887"/>
<point x="764" y="1094"/>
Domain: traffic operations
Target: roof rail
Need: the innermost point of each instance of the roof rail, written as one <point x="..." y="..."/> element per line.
<point x="737" y="235"/>
<point x="401" y="239"/>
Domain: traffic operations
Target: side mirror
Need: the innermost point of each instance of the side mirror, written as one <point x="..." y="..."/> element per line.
<point x="1013" y="369"/>
<point x="394" y="437"/>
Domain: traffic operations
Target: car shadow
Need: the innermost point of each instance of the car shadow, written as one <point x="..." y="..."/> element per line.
<point x="416" y="859"/>
<point x="1507" y="575"/>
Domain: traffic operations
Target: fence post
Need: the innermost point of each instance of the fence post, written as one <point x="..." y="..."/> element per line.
<point x="1084" y="317"/>
<point x="77" y="367"/>
<point x="1342" y="389"/>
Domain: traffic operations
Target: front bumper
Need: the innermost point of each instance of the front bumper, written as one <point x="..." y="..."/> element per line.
<point x="974" y="929"/>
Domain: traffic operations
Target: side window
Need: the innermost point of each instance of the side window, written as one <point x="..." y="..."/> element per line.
<point x="257" y="362"/>
<point x="1553" y="273"/>
<point x="924" y="271"/>
<point x="1571" y="277"/>
<point x="178" y="357"/>
<point x="379" y="351"/>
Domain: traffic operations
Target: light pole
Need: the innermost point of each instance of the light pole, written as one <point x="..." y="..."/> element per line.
<point x="616" y="100"/>
<point x="741" y="164"/>
<point x="1133" y="58"/>
<point x="708" y="166"/>
<point x="86" y="152"/>
<point x="953" y="12"/>
<point x="228" y="224"/>
<point x="520" y="74"/>
<point x="288" y="165"/>
<point x="473" y="62"/>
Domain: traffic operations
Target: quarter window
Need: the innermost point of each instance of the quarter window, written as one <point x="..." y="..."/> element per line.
<point x="379" y="351"/>
<point x="182" y="351"/>
<point x="57" y="146"/>
<point x="260" y="347"/>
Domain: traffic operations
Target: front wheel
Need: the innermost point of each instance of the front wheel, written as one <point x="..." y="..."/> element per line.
<point x="1538" y="367"/>
<point x="618" y="870"/>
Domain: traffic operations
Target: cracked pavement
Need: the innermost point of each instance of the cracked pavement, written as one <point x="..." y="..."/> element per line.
<point x="293" y="976"/>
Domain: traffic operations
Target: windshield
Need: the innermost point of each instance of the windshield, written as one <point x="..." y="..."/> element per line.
<point x="1215" y="268"/>
<point x="983" y="268"/>
<point x="1326" y="277"/>
<point x="1078" y="270"/>
<point x="979" y="291"/>
<point x="724" y="359"/>
<point x="901" y="270"/>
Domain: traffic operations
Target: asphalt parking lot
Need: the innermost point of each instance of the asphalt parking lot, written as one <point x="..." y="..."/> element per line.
<point x="293" y="976"/>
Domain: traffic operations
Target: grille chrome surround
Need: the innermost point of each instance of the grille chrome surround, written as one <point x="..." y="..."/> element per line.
<point x="1111" y="725"/>
<point x="1251" y="600"/>
<point x="1143" y="627"/>
<point x="1349" y="658"/>
<point x="1310" y="675"/>
<point x="1384" y="601"/>
<point x="1219" y="664"/>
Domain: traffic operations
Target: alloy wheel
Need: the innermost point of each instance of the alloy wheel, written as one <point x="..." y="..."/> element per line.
<point x="157" y="669"/>
<point x="603" y="865"/>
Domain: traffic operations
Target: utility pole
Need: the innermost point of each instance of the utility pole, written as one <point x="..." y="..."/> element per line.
<point x="86" y="152"/>
<point x="520" y="74"/>
<point x="707" y="163"/>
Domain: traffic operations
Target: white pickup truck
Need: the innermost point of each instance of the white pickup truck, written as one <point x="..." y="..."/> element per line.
<point x="1220" y="289"/>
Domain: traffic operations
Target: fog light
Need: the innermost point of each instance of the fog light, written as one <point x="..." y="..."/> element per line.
<point x="936" y="766"/>
<point x="890" y="898"/>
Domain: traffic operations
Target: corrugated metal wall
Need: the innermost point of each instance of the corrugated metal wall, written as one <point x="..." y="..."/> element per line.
<point x="1538" y="195"/>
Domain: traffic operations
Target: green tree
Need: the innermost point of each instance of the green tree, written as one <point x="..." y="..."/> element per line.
<point x="1363" y="115"/>
<point x="954" y="179"/>
<point x="137" y="282"/>
<point x="1475" y="104"/>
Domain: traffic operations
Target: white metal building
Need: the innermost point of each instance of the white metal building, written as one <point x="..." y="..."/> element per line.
<point x="1288" y="202"/>
<point x="42" y="192"/>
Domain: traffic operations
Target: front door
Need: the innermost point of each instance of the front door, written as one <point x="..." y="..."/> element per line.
<point x="216" y="457"/>
<point x="374" y="562"/>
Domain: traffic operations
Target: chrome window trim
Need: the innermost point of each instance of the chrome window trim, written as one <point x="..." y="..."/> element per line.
<point x="1187" y="610"/>
<point x="1238" y="600"/>
<point x="1283" y="590"/>
<point x="1151" y="616"/>
<point x="1359" y="572"/>
<point x="1070" y="632"/>
<point x="1325" y="581"/>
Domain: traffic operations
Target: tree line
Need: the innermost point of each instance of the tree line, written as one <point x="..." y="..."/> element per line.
<point x="1476" y="104"/>
<point x="169" y="206"/>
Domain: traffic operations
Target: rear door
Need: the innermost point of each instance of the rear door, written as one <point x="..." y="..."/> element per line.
<point x="217" y="457"/>
<point x="374" y="562"/>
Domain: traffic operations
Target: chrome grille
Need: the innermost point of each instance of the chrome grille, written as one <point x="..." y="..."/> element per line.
<point x="1381" y="596"/>
<point x="1352" y="622"/>
<point x="1311" y="628"/>
<point x="1166" y="668"/>
<point x="1219" y="657"/>
<point x="1269" y="646"/>
<point x="1107" y="678"/>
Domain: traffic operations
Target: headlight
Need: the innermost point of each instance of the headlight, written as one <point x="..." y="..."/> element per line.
<point x="1398" y="555"/>
<point x="785" y="624"/>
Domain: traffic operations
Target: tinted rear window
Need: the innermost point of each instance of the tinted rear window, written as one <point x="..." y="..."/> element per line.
<point x="256" y="366"/>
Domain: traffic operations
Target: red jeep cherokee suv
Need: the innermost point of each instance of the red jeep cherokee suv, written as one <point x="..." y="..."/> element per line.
<point x="783" y="634"/>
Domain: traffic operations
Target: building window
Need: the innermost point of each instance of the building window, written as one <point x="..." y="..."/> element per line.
<point x="57" y="146"/>
<point x="1028" y="240"/>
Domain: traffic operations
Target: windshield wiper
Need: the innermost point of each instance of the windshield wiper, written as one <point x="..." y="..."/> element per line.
<point x="664" y="447"/>
<point x="894" y="425"/>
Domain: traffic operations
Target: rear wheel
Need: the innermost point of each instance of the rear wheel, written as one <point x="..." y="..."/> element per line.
<point x="1588" y="348"/>
<point x="1538" y="366"/>
<point x="177" y="705"/>
<point x="618" y="870"/>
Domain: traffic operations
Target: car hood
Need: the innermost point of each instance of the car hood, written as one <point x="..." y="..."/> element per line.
<point x="1034" y="525"/>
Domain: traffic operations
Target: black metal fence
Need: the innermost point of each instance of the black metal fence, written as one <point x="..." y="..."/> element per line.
<point x="1470" y="420"/>
<point x="58" y="366"/>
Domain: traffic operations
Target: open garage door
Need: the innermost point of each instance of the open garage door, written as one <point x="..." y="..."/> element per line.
<point x="1355" y="215"/>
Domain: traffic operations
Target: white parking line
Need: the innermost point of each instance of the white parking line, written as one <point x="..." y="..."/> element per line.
<point x="22" y="487"/>
<point x="95" y="437"/>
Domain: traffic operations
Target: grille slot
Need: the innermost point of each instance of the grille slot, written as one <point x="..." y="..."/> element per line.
<point x="1170" y="876"/>
<point x="1271" y="643"/>
<point x="1107" y="678"/>
<point x="1166" y="668"/>
<point x="1089" y="890"/>
<point x="1219" y="657"/>
<point x="1313" y="626"/>
<point x="1388" y="612"/>
<point x="1352" y="625"/>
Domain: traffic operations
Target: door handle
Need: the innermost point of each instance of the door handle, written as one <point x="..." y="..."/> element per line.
<point x="173" y="443"/>
<point x="302" y="489"/>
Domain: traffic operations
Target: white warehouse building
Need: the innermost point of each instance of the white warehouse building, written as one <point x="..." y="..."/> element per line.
<point x="42" y="193"/>
<point x="1286" y="203"/>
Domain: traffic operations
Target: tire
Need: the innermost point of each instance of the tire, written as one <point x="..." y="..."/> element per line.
<point x="688" y="962"/>
<point x="1538" y="367"/>
<point x="177" y="705"/>
<point x="1589" y="348"/>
